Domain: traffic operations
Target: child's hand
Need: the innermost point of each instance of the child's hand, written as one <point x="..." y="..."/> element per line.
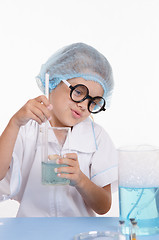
<point x="72" y="171"/>
<point x="37" y="109"/>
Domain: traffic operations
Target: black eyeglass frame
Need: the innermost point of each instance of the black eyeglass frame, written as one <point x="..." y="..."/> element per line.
<point x="72" y="88"/>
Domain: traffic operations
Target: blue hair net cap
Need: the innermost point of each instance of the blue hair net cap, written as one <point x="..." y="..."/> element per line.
<point x="77" y="60"/>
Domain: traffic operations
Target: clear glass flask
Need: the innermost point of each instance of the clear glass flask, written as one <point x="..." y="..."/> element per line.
<point x="55" y="143"/>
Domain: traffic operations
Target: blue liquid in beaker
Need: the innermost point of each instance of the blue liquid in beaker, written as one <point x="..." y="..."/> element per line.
<point x="141" y="204"/>
<point x="49" y="177"/>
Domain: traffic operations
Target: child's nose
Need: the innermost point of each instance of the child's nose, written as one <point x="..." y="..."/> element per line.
<point x="83" y="105"/>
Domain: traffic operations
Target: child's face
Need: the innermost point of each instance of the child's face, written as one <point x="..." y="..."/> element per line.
<point x="67" y="113"/>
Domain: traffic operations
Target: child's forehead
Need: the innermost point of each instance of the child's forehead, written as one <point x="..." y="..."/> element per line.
<point x="77" y="80"/>
<point x="80" y="80"/>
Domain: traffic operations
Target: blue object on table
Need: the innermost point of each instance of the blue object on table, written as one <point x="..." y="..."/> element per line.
<point x="56" y="228"/>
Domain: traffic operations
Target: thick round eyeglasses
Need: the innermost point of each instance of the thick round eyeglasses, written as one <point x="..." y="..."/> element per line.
<point x="80" y="92"/>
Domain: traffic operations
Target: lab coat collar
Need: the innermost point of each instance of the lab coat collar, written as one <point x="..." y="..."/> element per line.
<point x="82" y="138"/>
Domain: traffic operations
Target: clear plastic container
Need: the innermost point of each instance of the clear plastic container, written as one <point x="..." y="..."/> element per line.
<point x="97" y="235"/>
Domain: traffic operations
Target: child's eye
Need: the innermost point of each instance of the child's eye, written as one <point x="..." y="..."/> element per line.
<point x="93" y="103"/>
<point x="77" y="92"/>
<point x="96" y="103"/>
<point x="80" y="91"/>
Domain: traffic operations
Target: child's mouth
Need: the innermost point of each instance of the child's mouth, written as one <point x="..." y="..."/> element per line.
<point x="75" y="114"/>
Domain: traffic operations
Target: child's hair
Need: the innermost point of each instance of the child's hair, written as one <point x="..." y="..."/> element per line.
<point x="77" y="60"/>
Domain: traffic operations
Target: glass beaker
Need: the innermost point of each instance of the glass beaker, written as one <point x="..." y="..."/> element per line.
<point x="139" y="188"/>
<point x="55" y="143"/>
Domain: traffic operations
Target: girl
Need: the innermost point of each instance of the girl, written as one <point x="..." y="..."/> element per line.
<point x="80" y="83"/>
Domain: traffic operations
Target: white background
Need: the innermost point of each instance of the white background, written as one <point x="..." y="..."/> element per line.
<point x="125" y="31"/>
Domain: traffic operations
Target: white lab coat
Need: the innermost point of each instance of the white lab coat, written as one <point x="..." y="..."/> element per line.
<point x="97" y="159"/>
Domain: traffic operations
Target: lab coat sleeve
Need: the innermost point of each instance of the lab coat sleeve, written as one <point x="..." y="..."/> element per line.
<point x="104" y="166"/>
<point x="10" y="185"/>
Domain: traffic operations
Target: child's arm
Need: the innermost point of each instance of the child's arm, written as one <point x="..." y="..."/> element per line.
<point x="33" y="109"/>
<point x="97" y="198"/>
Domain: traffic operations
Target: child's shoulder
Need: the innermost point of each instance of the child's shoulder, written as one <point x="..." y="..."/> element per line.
<point x="97" y="127"/>
<point x="99" y="131"/>
<point x="88" y="126"/>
